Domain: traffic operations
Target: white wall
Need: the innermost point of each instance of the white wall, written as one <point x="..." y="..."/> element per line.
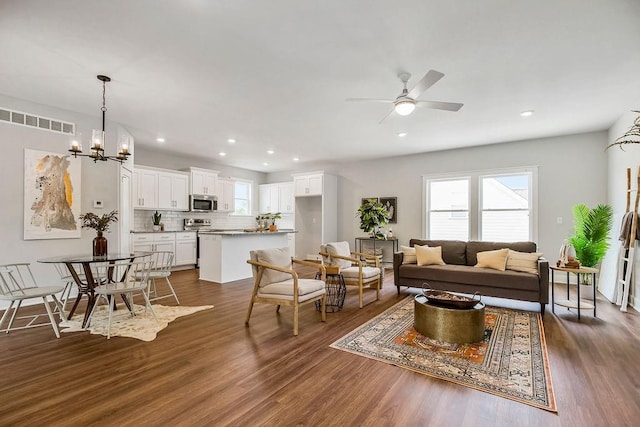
<point x="99" y="181"/>
<point x="572" y="170"/>
<point x="618" y="162"/>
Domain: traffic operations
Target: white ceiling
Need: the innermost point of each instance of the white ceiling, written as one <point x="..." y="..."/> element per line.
<point x="275" y="74"/>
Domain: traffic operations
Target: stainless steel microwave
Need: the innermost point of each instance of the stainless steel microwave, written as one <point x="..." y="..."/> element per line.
<point x="203" y="203"/>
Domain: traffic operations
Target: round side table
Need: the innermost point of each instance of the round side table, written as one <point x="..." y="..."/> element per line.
<point x="336" y="292"/>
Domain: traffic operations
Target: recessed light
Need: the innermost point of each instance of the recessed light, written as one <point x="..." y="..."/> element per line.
<point x="402" y="134"/>
<point x="265" y="164"/>
<point x="222" y="153"/>
<point x="295" y="159"/>
<point x="231" y="141"/>
<point x="160" y="139"/>
<point x="270" y="151"/>
<point x="527" y="113"/>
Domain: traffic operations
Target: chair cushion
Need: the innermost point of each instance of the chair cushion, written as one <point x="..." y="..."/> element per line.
<point x="523" y="261"/>
<point x="307" y="288"/>
<point x="493" y="259"/>
<point x="367" y="272"/>
<point x="339" y="248"/>
<point x="276" y="256"/>
<point x="409" y="255"/>
<point x="429" y="256"/>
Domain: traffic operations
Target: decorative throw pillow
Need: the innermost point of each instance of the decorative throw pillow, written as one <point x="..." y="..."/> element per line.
<point x="279" y="257"/>
<point x="429" y="256"/>
<point x="493" y="259"/>
<point x="526" y="262"/>
<point x="339" y="248"/>
<point x="409" y="256"/>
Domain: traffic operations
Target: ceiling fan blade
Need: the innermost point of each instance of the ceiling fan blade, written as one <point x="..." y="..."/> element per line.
<point x="385" y="101"/>
<point x="385" y="117"/>
<point x="427" y="81"/>
<point x="448" y="106"/>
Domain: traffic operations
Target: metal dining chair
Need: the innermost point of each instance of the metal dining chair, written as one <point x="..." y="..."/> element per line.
<point x="18" y="284"/>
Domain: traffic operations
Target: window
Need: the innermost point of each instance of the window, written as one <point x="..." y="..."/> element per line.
<point x="486" y="205"/>
<point x="242" y="197"/>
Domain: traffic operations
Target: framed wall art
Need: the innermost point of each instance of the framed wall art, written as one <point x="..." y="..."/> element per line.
<point x="365" y="199"/>
<point x="391" y="204"/>
<point x="51" y="195"/>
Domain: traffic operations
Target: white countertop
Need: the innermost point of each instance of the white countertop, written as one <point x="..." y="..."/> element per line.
<point x="246" y="233"/>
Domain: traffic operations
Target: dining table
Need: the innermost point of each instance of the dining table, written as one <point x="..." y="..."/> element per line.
<point x="80" y="268"/>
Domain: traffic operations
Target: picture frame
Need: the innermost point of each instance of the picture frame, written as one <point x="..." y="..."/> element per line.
<point x="391" y="204"/>
<point x="364" y="200"/>
<point x="52" y="194"/>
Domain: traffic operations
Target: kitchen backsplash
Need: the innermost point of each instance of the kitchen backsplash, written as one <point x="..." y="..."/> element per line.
<point x="173" y="221"/>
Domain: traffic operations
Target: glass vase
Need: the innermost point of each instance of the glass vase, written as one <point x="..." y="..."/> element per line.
<point x="99" y="245"/>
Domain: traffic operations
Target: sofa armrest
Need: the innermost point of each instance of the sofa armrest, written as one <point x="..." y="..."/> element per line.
<point x="397" y="262"/>
<point x="543" y="277"/>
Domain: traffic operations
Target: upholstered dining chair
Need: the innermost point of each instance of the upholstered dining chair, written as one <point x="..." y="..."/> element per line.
<point x="352" y="267"/>
<point x="161" y="269"/>
<point x="135" y="279"/>
<point x="276" y="282"/>
<point x="17" y="284"/>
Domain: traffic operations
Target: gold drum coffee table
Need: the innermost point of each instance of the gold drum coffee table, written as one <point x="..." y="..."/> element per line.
<point x="451" y="325"/>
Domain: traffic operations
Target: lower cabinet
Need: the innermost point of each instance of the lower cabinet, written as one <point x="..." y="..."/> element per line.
<point x="182" y="244"/>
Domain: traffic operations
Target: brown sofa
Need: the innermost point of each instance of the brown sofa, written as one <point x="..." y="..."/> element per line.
<point x="460" y="275"/>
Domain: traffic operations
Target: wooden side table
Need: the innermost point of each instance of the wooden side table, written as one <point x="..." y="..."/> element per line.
<point x="578" y="304"/>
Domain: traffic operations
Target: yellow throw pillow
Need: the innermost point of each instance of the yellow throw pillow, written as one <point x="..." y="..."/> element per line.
<point x="409" y="256"/>
<point x="493" y="259"/>
<point x="526" y="262"/>
<point x="429" y="256"/>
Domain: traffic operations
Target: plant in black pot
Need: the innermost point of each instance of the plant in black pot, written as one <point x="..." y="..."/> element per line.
<point x="101" y="225"/>
<point x="373" y="215"/>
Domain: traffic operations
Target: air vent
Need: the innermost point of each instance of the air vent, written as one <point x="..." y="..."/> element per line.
<point x="31" y="120"/>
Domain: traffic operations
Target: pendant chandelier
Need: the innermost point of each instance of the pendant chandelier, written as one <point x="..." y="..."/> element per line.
<point x="98" y="137"/>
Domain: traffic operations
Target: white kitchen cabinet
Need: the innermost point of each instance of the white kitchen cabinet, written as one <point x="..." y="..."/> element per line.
<point x="203" y="181"/>
<point x="185" y="248"/>
<point x="276" y="197"/>
<point x="145" y="189"/>
<point x="308" y="184"/>
<point x="225" y="194"/>
<point x="173" y="191"/>
<point x="153" y="242"/>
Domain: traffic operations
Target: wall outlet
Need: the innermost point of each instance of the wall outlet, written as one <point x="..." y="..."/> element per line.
<point x="559" y="220"/>
<point x="98" y="204"/>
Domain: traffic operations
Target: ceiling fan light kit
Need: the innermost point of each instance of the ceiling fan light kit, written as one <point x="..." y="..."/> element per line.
<point x="404" y="106"/>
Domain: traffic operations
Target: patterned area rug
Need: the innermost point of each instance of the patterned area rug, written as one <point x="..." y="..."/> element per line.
<point x="510" y="362"/>
<point x="142" y="327"/>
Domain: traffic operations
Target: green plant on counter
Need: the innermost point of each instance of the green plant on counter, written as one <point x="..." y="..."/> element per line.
<point x="591" y="227"/>
<point x="373" y="215"/>
<point x="274" y="217"/>
<point x="156" y="218"/>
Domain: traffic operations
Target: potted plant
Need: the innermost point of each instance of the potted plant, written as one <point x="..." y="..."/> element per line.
<point x="591" y="227"/>
<point x="101" y="225"/>
<point x="273" y="218"/>
<point x="156" y="221"/>
<point x="373" y="215"/>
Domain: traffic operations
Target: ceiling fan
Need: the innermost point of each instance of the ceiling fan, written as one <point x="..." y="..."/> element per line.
<point x="406" y="102"/>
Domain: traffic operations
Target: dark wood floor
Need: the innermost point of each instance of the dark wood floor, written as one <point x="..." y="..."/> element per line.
<point x="209" y="369"/>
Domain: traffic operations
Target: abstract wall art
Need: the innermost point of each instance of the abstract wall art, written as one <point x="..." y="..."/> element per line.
<point x="51" y="195"/>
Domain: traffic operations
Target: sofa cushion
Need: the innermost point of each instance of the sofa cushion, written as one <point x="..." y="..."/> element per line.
<point x="473" y="276"/>
<point x="428" y="256"/>
<point x="453" y="251"/>
<point x="408" y="255"/>
<point x="496" y="260"/>
<point x="523" y="261"/>
<point x="473" y="247"/>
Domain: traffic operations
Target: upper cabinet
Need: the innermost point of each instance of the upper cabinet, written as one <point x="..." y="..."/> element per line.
<point x="225" y="195"/>
<point x="145" y="185"/>
<point x="160" y="189"/>
<point x="173" y="191"/>
<point x="276" y="197"/>
<point x="308" y="184"/>
<point x="203" y="181"/>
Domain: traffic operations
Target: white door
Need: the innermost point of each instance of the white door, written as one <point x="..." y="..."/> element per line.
<point x="125" y="211"/>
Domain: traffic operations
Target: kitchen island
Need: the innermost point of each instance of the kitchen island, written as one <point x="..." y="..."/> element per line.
<point x="224" y="253"/>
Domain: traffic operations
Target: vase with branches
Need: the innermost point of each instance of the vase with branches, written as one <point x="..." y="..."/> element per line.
<point x="101" y="225"/>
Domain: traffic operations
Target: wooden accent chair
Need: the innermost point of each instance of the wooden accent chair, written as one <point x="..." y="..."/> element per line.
<point x="352" y="266"/>
<point x="275" y="282"/>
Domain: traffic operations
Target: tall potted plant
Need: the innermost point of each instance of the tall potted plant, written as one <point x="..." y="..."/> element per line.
<point x="101" y="225"/>
<point x="373" y="215"/>
<point x="591" y="227"/>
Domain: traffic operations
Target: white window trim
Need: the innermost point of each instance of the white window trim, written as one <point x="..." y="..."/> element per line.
<point x="246" y="181"/>
<point x="475" y="196"/>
